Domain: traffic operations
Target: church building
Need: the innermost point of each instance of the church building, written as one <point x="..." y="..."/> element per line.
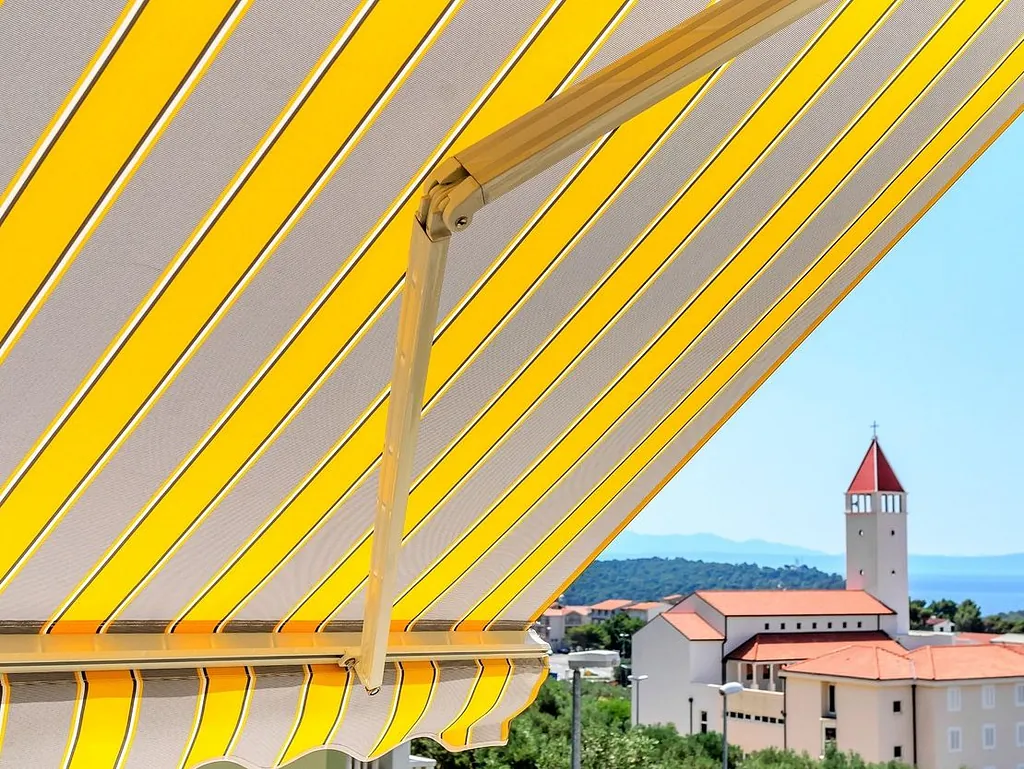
<point x="839" y="667"/>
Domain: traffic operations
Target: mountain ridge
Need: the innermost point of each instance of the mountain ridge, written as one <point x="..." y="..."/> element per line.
<point x="714" y="548"/>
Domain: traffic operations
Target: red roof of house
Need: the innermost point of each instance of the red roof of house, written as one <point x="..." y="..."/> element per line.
<point x="936" y="621"/>
<point x="929" y="663"/>
<point x="692" y="625"/>
<point x="645" y="605"/>
<point x="790" y="647"/>
<point x="611" y="604"/>
<point x="875" y="473"/>
<point x="562" y="611"/>
<point x="792" y="603"/>
<point x="975" y="638"/>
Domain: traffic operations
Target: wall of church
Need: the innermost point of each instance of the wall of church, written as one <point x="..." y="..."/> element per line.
<point x="754" y="735"/>
<point x="876" y="557"/>
<point x="663" y="654"/>
<point x="706" y="662"/>
<point x="742" y="629"/>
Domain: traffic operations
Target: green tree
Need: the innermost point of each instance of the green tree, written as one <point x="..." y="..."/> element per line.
<point x="918" y="615"/>
<point x="620" y="629"/>
<point x="942" y="608"/>
<point x="968" y="617"/>
<point x="592" y="636"/>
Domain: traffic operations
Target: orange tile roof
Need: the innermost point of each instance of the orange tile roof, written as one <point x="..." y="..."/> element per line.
<point x="975" y="638"/>
<point x="611" y="604"/>
<point x="693" y="626"/>
<point x="793" y="603"/>
<point x="645" y="605"/>
<point x="927" y="663"/>
<point x="789" y="647"/>
<point x="561" y="612"/>
<point x="674" y="598"/>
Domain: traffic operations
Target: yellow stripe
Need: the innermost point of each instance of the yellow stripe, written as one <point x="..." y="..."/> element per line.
<point x="758" y="251"/>
<point x="542" y="676"/>
<point x="5" y="706"/>
<point x="139" y="77"/>
<point x="324" y="698"/>
<point x="739" y="154"/>
<point x="414" y="690"/>
<point x="105" y="722"/>
<point x="492" y="680"/>
<point x="772" y="368"/>
<point x="221" y="713"/>
<point x="555" y="48"/>
<point x="315" y="132"/>
<point x="874" y="215"/>
<point x="542" y="374"/>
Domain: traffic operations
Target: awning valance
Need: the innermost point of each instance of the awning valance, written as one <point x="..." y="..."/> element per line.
<point x="261" y="716"/>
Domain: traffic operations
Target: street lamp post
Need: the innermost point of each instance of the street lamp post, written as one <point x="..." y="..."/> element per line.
<point x="636" y="685"/>
<point x="725" y="690"/>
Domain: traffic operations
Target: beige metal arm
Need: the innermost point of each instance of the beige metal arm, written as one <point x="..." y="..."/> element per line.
<point x="481" y="173"/>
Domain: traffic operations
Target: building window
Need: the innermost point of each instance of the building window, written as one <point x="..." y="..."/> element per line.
<point x="897" y="706"/>
<point x="988" y="737"/>
<point x="988" y="696"/>
<point x="766" y="673"/>
<point x="782" y="626"/>
<point x="893" y="572"/>
<point x="831" y="700"/>
<point x="860" y="533"/>
<point x="703" y="722"/>
<point x="955" y="742"/>
<point x="1018" y="695"/>
<point x="860" y="624"/>
<point x="844" y="626"/>
<point x="1020" y="734"/>
<point x="814" y="626"/>
<point x="861" y="572"/>
<point x="748" y="672"/>
<point x="766" y="626"/>
<point x="829" y="625"/>
<point x="953" y="699"/>
<point x="897" y="752"/>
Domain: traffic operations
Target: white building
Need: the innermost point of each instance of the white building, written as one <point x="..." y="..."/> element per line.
<point x="608" y="608"/>
<point x="822" y="666"/>
<point x="555" y="621"/>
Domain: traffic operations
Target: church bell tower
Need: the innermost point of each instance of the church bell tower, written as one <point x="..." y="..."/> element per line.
<point x="876" y="535"/>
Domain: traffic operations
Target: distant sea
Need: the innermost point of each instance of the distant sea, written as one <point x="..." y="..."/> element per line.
<point x="994" y="594"/>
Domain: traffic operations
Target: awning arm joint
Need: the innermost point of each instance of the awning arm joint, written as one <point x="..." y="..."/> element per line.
<point x="479" y="174"/>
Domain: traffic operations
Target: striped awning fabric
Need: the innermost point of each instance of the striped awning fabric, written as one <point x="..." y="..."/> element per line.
<point x="265" y="716"/>
<point x="204" y="228"/>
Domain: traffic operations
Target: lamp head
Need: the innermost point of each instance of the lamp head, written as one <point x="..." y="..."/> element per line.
<point x="733" y="687"/>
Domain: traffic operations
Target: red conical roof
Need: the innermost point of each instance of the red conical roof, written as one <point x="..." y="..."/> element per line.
<point x="875" y="473"/>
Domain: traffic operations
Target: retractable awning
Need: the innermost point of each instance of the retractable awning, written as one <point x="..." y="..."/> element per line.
<point x="204" y="236"/>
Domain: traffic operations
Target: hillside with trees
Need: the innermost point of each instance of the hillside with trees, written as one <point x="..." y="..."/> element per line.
<point x="648" y="579"/>
<point x="966" y="615"/>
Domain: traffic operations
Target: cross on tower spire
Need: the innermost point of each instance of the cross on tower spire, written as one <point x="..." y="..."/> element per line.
<point x="874" y="430"/>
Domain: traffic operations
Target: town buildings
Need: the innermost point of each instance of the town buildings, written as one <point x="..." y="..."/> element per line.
<point x="838" y="666"/>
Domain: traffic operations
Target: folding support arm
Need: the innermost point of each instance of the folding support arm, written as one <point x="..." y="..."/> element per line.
<point x="481" y="173"/>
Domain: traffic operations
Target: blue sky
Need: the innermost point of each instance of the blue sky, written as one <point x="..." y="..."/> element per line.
<point x="931" y="345"/>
